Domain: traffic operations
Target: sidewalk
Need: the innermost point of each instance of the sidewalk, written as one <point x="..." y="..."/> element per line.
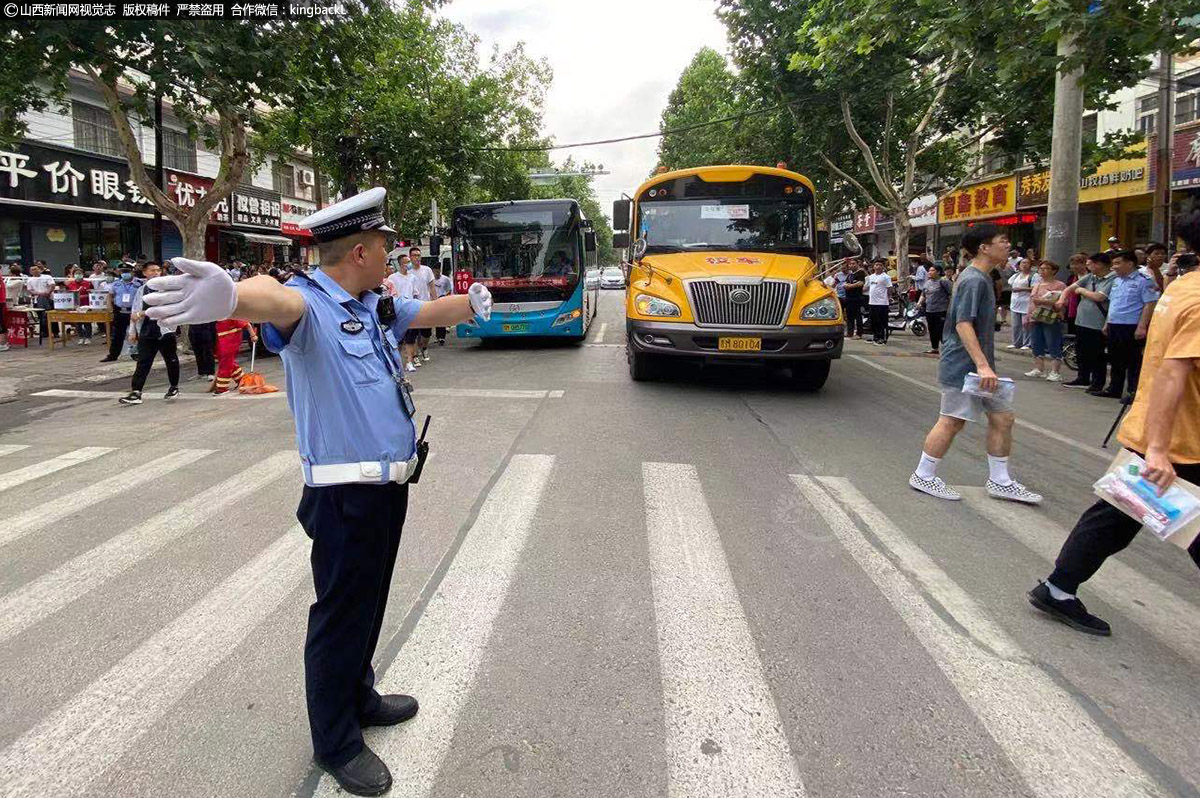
<point x="36" y="368"/>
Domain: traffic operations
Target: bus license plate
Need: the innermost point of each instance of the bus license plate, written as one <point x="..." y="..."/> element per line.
<point x="739" y="344"/>
<point x="515" y="328"/>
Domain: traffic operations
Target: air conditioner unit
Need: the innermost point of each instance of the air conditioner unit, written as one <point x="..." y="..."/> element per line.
<point x="307" y="178"/>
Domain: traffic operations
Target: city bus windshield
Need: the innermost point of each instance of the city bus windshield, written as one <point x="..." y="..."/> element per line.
<point x="739" y="224"/>
<point x="523" y="253"/>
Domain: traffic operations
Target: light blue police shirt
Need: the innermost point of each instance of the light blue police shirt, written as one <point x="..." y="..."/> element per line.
<point x="339" y="384"/>
<point x="1128" y="296"/>
<point x="124" y="292"/>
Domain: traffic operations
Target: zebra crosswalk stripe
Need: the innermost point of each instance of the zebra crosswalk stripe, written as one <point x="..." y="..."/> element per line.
<point x="68" y="750"/>
<point x="38" y="470"/>
<point x="12" y="448"/>
<point x="39" y="517"/>
<point x="1174" y="621"/>
<point x="46" y="595"/>
<point x="724" y="734"/>
<point x="1053" y="742"/>
<point x="439" y="661"/>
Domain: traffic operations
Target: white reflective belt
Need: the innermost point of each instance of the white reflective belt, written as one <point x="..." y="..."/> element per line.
<point x="368" y="473"/>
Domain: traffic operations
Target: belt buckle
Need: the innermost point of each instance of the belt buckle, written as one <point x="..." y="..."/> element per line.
<point x="371" y="471"/>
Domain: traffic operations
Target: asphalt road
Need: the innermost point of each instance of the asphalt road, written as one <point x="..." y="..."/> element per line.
<point x="708" y="585"/>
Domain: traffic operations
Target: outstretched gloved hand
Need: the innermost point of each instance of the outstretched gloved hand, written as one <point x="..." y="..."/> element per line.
<point x="481" y="300"/>
<point x="204" y="292"/>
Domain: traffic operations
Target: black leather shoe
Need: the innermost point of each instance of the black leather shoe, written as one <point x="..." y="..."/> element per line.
<point x="1070" y="611"/>
<point x="393" y="709"/>
<point x="365" y="774"/>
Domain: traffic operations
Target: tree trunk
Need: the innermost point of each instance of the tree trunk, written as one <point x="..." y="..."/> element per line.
<point x="901" y="232"/>
<point x="193" y="238"/>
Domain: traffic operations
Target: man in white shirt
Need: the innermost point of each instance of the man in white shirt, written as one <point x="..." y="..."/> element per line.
<point x="442" y="286"/>
<point x="879" y="287"/>
<point x="423" y="280"/>
<point x="41" y="288"/>
<point x="403" y="285"/>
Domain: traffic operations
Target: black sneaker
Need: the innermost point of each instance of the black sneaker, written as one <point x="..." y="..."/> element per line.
<point x="1070" y="611"/>
<point x="171" y="393"/>
<point x="108" y="360"/>
<point x="132" y="398"/>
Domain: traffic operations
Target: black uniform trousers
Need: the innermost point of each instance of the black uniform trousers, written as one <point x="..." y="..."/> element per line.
<point x="1089" y="349"/>
<point x="203" y="338"/>
<point x="148" y="347"/>
<point x="1101" y="532"/>
<point x="117" y="331"/>
<point x="852" y="307"/>
<point x="1125" y="353"/>
<point x="937" y="326"/>
<point x="355" y="531"/>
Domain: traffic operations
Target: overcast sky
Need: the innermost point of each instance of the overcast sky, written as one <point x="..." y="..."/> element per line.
<point x="614" y="65"/>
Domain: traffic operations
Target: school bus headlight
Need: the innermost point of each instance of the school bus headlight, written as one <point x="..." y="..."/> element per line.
<point x="653" y="306"/>
<point x="567" y="317"/>
<point x="822" y="310"/>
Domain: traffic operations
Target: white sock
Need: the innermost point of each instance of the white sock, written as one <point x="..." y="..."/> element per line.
<point x="998" y="470"/>
<point x="1056" y="594"/>
<point x="927" y="468"/>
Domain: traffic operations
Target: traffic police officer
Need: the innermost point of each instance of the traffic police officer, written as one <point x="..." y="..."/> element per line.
<point x="357" y="444"/>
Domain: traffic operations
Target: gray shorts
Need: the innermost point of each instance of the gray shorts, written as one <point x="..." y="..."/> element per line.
<point x="968" y="407"/>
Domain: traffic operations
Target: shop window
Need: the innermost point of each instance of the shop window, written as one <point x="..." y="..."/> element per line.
<point x="95" y="130"/>
<point x="10" y="240"/>
<point x="108" y="240"/>
<point x="179" y="151"/>
<point x="1147" y="114"/>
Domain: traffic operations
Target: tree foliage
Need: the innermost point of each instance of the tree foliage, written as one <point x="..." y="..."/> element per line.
<point x="580" y="188"/>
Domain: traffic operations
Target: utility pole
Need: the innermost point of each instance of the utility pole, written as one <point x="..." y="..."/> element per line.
<point x="1165" y="130"/>
<point x="158" y="175"/>
<point x="1066" y="147"/>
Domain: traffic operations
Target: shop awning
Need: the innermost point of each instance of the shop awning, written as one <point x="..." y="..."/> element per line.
<point x="259" y="238"/>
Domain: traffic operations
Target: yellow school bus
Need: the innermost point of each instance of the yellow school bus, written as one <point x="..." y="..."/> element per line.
<point x="724" y="269"/>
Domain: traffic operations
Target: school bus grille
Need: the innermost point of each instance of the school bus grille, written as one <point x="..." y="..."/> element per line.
<point x="713" y="305"/>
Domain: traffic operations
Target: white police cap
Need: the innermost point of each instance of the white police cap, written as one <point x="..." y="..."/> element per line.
<point x="355" y="214"/>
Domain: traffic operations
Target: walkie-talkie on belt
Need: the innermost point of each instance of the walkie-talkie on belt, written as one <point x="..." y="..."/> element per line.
<point x="422" y="453"/>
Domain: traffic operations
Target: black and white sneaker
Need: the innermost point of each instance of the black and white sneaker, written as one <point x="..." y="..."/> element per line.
<point x="934" y="487"/>
<point x="1013" y="492"/>
<point x="172" y="393"/>
<point x="1069" y="611"/>
<point x="132" y="398"/>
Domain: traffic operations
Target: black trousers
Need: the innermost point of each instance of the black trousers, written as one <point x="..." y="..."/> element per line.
<point x="355" y="531"/>
<point x="441" y="333"/>
<point x="203" y="338"/>
<point x="1093" y="363"/>
<point x="117" y="331"/>
<point x="937" y="325"/>
<point x="1125" y="352"/>
<point x="1101" y="532"/>
<point x="879" y="320"/>
<point x="852" y="307"/>
<point x="147" y="349"/>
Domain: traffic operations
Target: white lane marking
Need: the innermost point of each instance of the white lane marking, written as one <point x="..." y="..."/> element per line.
<point x="39" y="517"/>
<point x="606" y="346"/>
<point x="50" y="592"/>
<point x="479" y="393"/>
<point x="598" y="338"/>
<point x="1052" y="741"/>
<point x="1173" y="620"/>
<point x="1046" y="433"/>
<point x="555" y="394"/>
<point x="39" y="470"/>
<point x="724" y="735"/>
<point x="77" y="743"/>
<point x="12" y="448"/>
<point x="73" y="394"/>
<point x="441" y="658"/>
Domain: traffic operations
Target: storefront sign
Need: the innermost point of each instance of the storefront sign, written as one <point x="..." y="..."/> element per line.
<point x="1113" y="180"/>
<point x="981" y="201"/>
<point x="1185" y="160"/>
<point x="839" y="227"/>
<point x="864" y="220"/>
<point x="923" y="211"/>
<point x="294" y="212"/>
<point x="186" y="189"/>
<point x="257" y="207"/>
<point x="35" y="173"/>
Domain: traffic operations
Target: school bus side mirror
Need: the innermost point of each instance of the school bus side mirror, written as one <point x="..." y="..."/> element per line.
<point x="621" y="214"/>
<point x="589" y="241"/>
<point x="620" y="240"/>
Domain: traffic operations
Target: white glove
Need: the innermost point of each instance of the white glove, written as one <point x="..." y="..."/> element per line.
<point x="481" y="300"/>
<point x="204" y="292"/>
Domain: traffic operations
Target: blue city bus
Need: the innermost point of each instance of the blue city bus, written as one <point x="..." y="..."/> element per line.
<point x="533" y="256"/>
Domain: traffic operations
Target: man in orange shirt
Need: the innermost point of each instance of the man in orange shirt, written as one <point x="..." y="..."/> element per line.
<point x="1163" y="425"/>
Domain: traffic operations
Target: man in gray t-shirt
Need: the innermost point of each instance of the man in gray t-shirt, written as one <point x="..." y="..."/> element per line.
<point x="969" y="346"/>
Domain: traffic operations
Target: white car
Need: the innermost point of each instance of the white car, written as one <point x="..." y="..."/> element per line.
<point x="592" y="278"/>
<point x="612" y="277"/>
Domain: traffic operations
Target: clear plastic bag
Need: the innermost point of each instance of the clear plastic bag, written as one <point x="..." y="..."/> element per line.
<point x="1005" y="388"/>
<point x="1123" y="487"/>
